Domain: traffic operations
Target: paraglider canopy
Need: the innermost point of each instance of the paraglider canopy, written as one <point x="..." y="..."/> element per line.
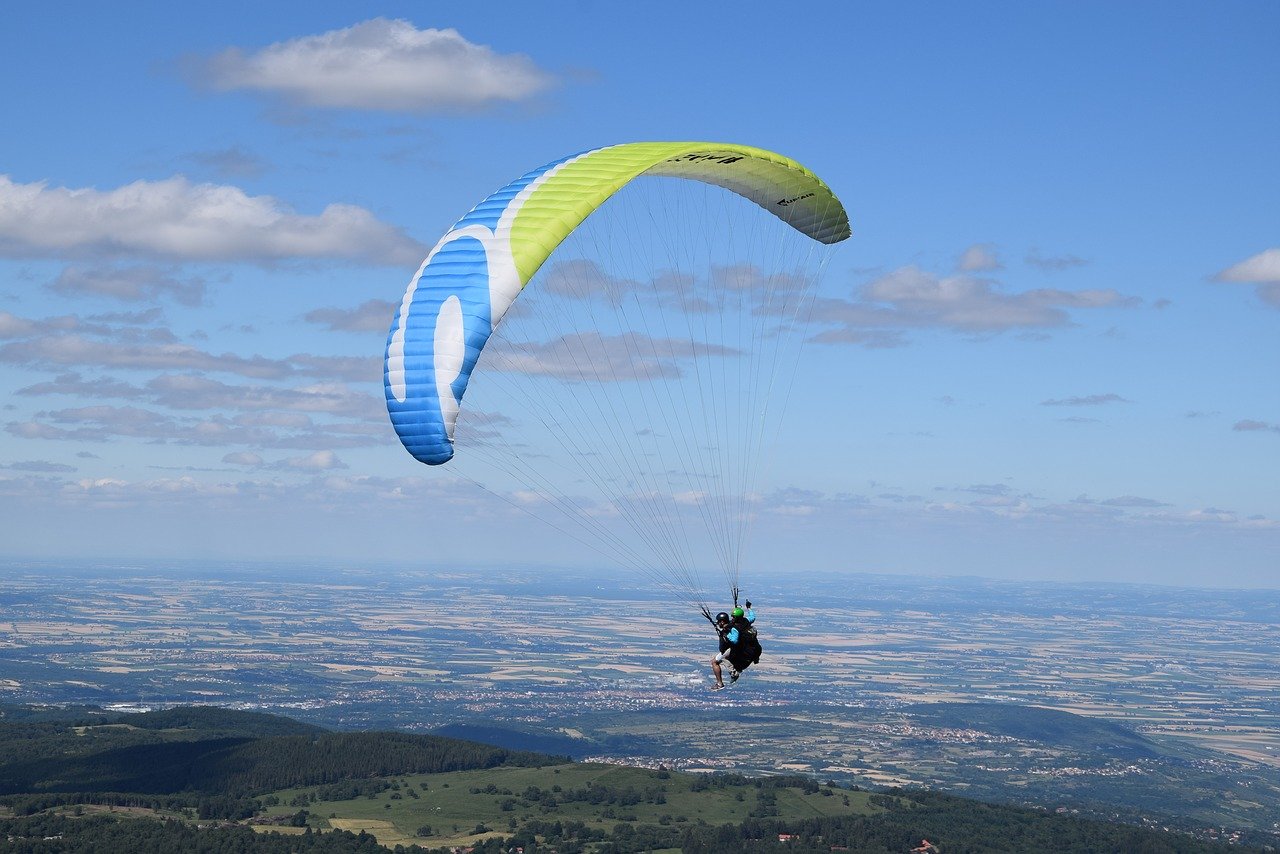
<point x="470" y="279"/>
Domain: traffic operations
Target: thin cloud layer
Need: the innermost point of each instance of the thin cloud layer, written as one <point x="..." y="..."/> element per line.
<point x="370" y="316"/>
<point x="175" y="219"/>
<point x="103" y="423"/>
<point x="181" y="402"/>
<point x="233" y="162"/>
<point x="593" y="357"/>
<point x="380" y="64"/>
<point x="130" y="284"/>
<point x="1053" y="263"/>
<point x="70" y="342"/>
<point x="1086" y="400"/>
<point x="1249" y="425"/>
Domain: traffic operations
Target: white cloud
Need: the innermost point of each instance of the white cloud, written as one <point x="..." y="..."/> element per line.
<point x="176" y="219"/>
<point x="979" y="257"/>
<point x="380" y="64"/>
<point x="910" y="297"/>
<point x="1263" y="267"/>
<point x="1263" y="270"/>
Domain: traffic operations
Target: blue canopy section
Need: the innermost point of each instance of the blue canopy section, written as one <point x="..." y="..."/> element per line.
<point x="448" y="323"/>
<point x="443" y="326"/>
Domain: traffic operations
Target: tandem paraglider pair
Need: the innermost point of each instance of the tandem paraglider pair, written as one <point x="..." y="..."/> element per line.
<point x="739" y="646"/>
<point x="477" y="270"/>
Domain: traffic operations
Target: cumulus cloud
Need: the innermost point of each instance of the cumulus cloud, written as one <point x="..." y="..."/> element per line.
<point x="1262" y="270"/>
<point x="243" y="458"/>
<point x="176" y="219"/>
<point x="977" y="258"/>
<point x="370" y="316"/>
<point x="1263" y="267"/>
<point x="131" y="284"/>
<point x="379" y="64"/>
<point x="1087" y="400"/>
<point x="910" y="297"/>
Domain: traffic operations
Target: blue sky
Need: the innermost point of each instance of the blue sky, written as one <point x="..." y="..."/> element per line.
<point x="1050" y="347"/>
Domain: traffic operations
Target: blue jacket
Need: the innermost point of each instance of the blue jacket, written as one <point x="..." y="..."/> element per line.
<point x="732" y="636"/>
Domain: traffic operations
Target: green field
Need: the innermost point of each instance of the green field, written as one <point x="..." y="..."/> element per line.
<point x="505" y="799"/>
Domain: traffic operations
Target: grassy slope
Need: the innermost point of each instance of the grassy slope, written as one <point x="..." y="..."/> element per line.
<point x="448" y="802"/>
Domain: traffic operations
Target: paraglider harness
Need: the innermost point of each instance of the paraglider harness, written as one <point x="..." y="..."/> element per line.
<point x="747" y="650"/>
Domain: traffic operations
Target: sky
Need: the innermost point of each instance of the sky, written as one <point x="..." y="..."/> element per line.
<point x="1048" y="351"/>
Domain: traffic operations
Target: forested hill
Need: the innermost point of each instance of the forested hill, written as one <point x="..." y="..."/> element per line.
<point x="28" y="732"/>
<point x="216" y="752"/>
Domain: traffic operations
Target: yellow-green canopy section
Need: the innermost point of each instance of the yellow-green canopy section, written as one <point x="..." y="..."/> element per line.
<point x="568" y="192"/>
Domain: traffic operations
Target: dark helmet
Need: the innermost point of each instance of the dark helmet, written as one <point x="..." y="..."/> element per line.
<point x="722" y="617"/>
<point x="738" y="612"/>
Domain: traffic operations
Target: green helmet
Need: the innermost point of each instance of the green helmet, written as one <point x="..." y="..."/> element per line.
<point x="738" y="612"/>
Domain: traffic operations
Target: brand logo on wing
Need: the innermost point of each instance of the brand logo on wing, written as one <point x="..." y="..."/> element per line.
<point x="794" y="199"/>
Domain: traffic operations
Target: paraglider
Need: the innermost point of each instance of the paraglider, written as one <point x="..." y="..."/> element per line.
<point x="739" y="646"/>
<point x="472" y="277"/>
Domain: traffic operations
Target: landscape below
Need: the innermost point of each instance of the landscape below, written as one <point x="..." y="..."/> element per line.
<point x="202" y="778"/>
<point x="1152" y="706"/>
